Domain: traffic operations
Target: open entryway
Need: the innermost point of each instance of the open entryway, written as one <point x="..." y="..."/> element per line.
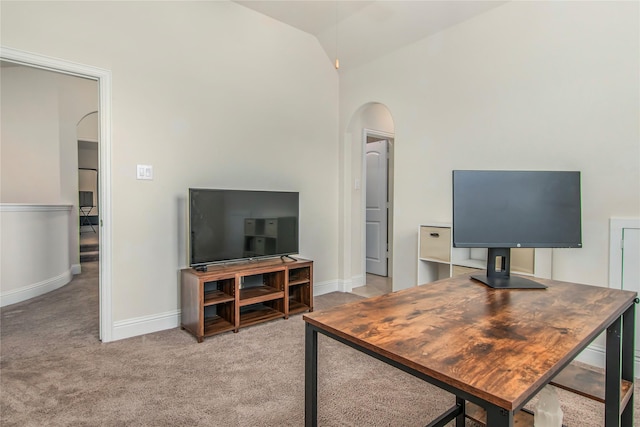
<point x="369" y="145"/>
<point x="377" y="205"/>
<point x="103" y="79"/>
<point x="88" y="186"/>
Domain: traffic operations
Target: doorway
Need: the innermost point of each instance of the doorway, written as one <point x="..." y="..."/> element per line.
<point x="370" y="122"/>
<point x="377" y="168"/>
<point x="103" y="78"/>
<point x="376" y="206"/>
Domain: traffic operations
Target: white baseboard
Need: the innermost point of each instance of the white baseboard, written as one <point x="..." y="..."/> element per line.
<point x="76" y="269"/>
<point x="593" y="355"/>
<point x="346" y="285"/>
<point x="326" y="287"/>
<point x="145" y="325"/>
<point x="30" y="291"/>
<point x="158" y="322"/>
<point x="358" y="281"/>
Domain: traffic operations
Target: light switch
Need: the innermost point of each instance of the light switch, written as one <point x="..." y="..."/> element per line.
<point x="144" y="172"/>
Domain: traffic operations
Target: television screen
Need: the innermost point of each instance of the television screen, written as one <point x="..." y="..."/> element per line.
<point x="232" y="225"/>
<point x="516" y="209"/>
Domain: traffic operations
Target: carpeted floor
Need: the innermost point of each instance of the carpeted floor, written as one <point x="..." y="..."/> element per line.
<point x="55" y="372"/>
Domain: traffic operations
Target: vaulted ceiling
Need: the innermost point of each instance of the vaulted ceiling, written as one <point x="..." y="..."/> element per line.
<point x="357" y="32"/>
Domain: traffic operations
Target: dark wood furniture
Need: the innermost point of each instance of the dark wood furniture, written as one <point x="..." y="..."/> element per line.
<point x="494" y="349"/>
<point x="231" y="296"/>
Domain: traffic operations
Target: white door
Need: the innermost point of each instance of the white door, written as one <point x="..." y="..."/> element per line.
<point x="376" y="204"/>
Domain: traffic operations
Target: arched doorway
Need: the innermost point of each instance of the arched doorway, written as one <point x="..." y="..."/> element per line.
<point x="371" y="124"/>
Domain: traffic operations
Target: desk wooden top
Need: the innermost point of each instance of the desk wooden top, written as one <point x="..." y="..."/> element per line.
<point x="496" y="344"/>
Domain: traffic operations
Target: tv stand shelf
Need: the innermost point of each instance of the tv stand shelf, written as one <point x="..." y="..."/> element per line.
<point x="259" y="294"/>
<point x="228" y="297"/>
<point x="216" y="297"/>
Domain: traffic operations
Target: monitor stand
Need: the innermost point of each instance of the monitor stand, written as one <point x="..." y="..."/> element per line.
<point x="500" y="277"/>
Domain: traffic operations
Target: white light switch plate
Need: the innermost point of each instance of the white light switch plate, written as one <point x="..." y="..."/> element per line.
<point x="144" y="172"/>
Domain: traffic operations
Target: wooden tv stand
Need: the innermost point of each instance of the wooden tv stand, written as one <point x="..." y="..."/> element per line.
<point x="228" y="297"/>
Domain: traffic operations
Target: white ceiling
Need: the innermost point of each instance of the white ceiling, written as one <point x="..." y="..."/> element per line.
<point x="359" y="31"/>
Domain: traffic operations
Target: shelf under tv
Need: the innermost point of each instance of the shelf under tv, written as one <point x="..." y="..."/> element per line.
<point x="216" y="324"/>
<point x="228" y="297"/>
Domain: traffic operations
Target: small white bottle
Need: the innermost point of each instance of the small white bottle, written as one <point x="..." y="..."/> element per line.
<point x="548" y="412"/>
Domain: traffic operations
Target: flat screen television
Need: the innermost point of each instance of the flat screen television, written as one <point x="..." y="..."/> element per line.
<point x="500" y="210"/>
<point x="235" y="225"/>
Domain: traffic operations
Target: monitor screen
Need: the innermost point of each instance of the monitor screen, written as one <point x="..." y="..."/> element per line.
<point x="514" y="209"/>
<point x="500" y="210"/>
<point x="231" y="225"/>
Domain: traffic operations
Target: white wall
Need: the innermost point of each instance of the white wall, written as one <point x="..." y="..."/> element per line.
<point x="35" y="250"/>
<point x="40" y="111"/>
<point x="528" y="85"/>
<point x="88" y="127"/>
<point x="212" y="95"/>
<point x="30" y="154"/>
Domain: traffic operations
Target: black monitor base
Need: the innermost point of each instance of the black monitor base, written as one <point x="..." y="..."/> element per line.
<point x="499" y="272"/>
<point x="510" y="282"/>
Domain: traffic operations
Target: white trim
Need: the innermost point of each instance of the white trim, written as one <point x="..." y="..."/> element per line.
<point x="137" y="326"/>
<point x="593" y="355"/>
<point x="345" y="285"/>
<point x="145" y="325"/>
<point x="36" y="289"/>
<point x="616" y="225"/>
<point x="326" y="287"/>
<point x="363" y="200"/>
<point x="358" y="281"/>
<point x="76" y="269"/>
<point x="103" y="77"/>
<point x="30" y="207"/>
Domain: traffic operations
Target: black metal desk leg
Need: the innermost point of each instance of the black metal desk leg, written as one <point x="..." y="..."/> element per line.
<point x="628" y="352"/>
<point x="310" y="376"/>
<point x="460" y="421"/>
<point x="498" y="417"/>
<point x="612" y="375"/>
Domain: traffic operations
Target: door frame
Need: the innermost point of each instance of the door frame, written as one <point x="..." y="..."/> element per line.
<point x="103" y="78"/>
<point x="363" y="200"/>
<point x="616" y="225"/>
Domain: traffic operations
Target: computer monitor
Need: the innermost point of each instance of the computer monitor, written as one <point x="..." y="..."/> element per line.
<point x="500" y="210"/>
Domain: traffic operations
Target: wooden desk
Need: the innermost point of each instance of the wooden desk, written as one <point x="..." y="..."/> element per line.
<point x="494" y="348"/>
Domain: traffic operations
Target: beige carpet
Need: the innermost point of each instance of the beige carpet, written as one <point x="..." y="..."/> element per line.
<point x="55" y="372"/>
